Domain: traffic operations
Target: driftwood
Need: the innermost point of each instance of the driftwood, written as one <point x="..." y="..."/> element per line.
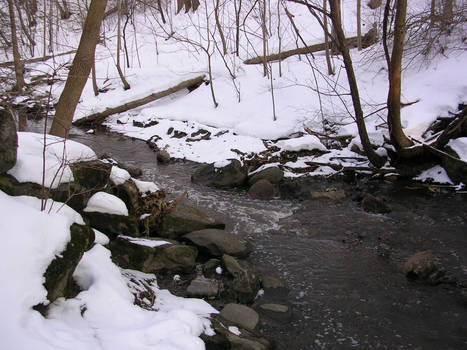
<point x="38" y="59"/>
<point x="99" y="117"/>
<point x="368" y="39"/>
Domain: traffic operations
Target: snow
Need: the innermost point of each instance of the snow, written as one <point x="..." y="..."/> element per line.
<point x="145" y="186"/>
<point x="459" y="146"/>
<point x="437" y="174"/>
<point x="304" y="143"/>
<point x="152" y="243"/>
<point x="103" y="202"/>
<point x="100" y="238"/>
<point x="58" y="155"/>
<point x="118" y="176"/>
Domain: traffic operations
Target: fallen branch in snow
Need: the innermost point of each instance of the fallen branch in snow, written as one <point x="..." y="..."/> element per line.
<point x="38" y="59"/>
<point x="99" y="117"/>
<point x="341" y="138"/>
<point x="351" y="42"/>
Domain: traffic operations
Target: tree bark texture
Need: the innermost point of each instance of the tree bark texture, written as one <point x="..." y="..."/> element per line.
<point x="398" y="137"/>
<point x="79" y="71"/>
<point x="374" y="158"/>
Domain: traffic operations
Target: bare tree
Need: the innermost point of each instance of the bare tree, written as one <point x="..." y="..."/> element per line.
<point x="79" y="70"/>
<point x="398" y="138"/>
<point x="126" y="86"/>
<point x="14" y="43"/>
<point x="335" y="15"/>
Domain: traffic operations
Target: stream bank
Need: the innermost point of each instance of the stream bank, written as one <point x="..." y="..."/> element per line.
<point x="342" y="266"/>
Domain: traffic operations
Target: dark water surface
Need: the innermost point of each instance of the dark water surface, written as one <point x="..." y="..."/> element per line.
<point x="346" y="291"/>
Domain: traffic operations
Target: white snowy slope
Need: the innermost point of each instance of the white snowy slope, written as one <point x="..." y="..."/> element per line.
<point x="58" y="155"/>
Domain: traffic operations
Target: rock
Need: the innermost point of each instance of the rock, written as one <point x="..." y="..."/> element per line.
<point x="262" y="189"/>
<point x="58" y="276"/>
<point x="375" y="205"/>
<point x="216" y="242"/>
<point x="245" y="284"/>
<point x="11" y="186"/>
<point x="185" y="218"/>
<point x="128" y="193"/>
<point x="145" y="123"/>
<point x="113" y="225"/>
<point x="151" y="255"/>
<point x="216" y="341"/>
<point x="276" y="312"/>
<point x="163" y="157"/>
<point x="203" y="288"/>
<point x="8" y="141"/>
<point x="420" y="265"/>
<point x="240" y="315"/>
<point x="334" y="195"/>
<point x="92" y="174"/>
<point x="290" y="188"/>
<point x="231" y="175"/>
<point x="211" y="267"/>
<point x="273" y="174"/>
<point x="73" y="194"/>
<point x="242" y="340"/>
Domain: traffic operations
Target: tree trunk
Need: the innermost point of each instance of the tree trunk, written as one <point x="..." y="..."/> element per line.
<point x="359" y="25"/>
<point x="398" y="137"/>
<point x="219" y="28"/>
<point x="238" y="9"/>
<point x="265" y="39"/>
<point x="14" y="43"/>
<point x="326" y="40"/>
<point x="126" y="86"/>
<point x="374" y="158"/>
<point x="79" y="70"/>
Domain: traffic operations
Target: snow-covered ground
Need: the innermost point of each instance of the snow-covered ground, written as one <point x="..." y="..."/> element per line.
<point x="103" y="315"/>
<point x="161" y="56"/>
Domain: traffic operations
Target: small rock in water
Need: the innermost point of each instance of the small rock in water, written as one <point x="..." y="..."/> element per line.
<point x="163" y="157"/>
<point x="371" y="204"/>
<point x="262" y="189"/>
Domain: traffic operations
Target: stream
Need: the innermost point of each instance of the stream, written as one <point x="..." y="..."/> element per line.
<point x="341" y="265"/>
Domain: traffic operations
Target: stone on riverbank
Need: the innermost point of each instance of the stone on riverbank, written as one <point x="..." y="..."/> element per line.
<point x="151" y="255"/>
<point x="113" y="225"/>
<point x="245" y="284"/>
<point x="216" y="242"/>
<point x="240" y="315"/>
<point x="203" y="288"/>
<point x="92" y="174"/>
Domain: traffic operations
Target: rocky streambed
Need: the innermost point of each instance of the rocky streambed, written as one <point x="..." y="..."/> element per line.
<point x="330" y="274"/>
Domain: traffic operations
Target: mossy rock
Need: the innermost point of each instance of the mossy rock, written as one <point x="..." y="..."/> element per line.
<point x="73" y="194"/>
<point x="58" y="276"/>
<point x="12" y="187"/>
<point x="8" y="141"/>
<point x="129" y="193"/>
<point x="185" y="218"/>
<point x="232" y="175"/>
<point x="139" y="255"/>
<point x="113" y="225"/>
<point x="273" y="174"/>
<point x="245" y="284"/>
<point x="92" y="174"/>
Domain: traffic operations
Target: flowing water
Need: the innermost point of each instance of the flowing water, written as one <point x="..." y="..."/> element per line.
<point x="340" y="264"/>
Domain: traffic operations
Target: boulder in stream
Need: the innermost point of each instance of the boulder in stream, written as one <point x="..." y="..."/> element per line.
<point x="372" y="204"/>
<point x="233" y="174"/>
<point x="262" y="189"/>
<point x="273" y="174"/>
<point x="214" y="242"/>
<point x="240" y="315"/>
<point x="185" y="218"/>
<point x="245" y="284"/>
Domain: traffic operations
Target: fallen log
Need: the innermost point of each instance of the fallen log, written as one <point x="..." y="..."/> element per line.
<point x="99" y="117"/>
<point x="37" y="59"/>
<point x="368" y="39"/>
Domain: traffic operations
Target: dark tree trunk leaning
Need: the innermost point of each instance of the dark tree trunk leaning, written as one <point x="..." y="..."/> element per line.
<point x="79" y="71"/>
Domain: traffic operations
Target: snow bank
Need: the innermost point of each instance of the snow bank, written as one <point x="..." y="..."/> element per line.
<point x="58" y="155"/>
<point x="303" y="143"/>
<point x="103" y="202"/>
<point x="118" y="176"/>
